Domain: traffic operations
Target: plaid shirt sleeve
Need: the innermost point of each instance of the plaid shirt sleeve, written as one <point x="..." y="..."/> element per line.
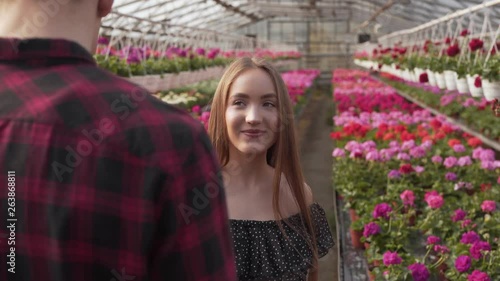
<point x="192" y="239"/>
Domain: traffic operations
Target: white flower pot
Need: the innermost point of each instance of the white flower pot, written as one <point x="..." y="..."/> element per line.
<point x="441" y="83"/>
<point x="432" y="78"/>
<point x="474" y="91"/>
<point x="462" y="86"/>
<point x="450" y="80"/>
<point x="491" y="90"/>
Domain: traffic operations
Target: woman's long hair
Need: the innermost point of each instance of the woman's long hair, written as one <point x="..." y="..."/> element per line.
<point x="283" y="156"/>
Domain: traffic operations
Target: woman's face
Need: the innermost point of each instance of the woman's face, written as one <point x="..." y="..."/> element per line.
<point x="252" y="112"/>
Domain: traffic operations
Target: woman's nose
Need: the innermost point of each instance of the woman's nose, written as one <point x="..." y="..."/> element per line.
<point x="254" y="116"/>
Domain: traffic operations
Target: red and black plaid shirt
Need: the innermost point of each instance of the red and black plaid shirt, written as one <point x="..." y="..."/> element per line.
<point x="110" y="183"/>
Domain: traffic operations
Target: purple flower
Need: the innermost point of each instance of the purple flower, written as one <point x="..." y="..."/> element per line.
<point x="394" y="174"/>
<point x="459" y="215"/>
<point x="462" y="264"/>
<point x="200" y="51"/>
<point x="403" y="156"/>
<point x="437" y="159"/>
<point x="477" y="247"/>
<point x="459" y="148"/>
<point x="449" y="162"/>
<point x="417" y="152"/>
<point x="391" y="258"/>
<point x="338" y="152"/>
<point x="477" y="275"/>
<point x="419" y="272"/>
<point x="451" y="176"/>
<point x="464" y="161"/>
<point x="488" y="165"/>
<point x="382" y="210"/>
<point x="371" y="229"/>
<point x="419" y="169"/>
<point x="431" y="240"/>
<point x="469" y="237"/>
<point x="103" y="41"/>
<point x="488" y="206"/>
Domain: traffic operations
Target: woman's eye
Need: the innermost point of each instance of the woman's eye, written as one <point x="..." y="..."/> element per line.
<point x="269" y="104"/>
<point x="238" y="103"/>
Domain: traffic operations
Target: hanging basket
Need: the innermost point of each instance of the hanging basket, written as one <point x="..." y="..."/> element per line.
<point x="462" y="86"/>
<point x="491" y="90"/>
<point x="432" y="78"/>
<point x="474" y="91"/>
<point x="450" y="80"/>
<point x="440" y="81"/>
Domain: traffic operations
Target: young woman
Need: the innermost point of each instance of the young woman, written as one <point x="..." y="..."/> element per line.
<point x="277" y="229"/>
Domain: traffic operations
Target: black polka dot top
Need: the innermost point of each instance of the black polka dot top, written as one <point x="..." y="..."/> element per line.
<point x="264" y="254"/>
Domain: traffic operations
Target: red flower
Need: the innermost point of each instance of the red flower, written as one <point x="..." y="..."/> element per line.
<point x="474" y="142"/>
<point x="440" y="136"/>
<point x="476" y="44"/>
<point x="424" y="78"/>
<point x="336" y="135"/>
<point x="477" y="82"/>
<point x="485" y="186"/>
<point x="388" y="136"/>
<point x="446" y="129"/>
<point x="405" y="136"/>
<point x="453" y="142"/>
<point x="453" y="50"/>
<point x="435" y="124"/>
<point x="464" y="33"/>
<point x="447" y="40"/>
<point x="406" y="169"/>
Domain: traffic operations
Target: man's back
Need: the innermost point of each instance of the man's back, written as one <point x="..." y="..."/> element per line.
<point x="106" y="181"/>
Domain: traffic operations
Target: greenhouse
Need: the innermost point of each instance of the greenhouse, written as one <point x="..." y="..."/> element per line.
<point x="386" y="111"/>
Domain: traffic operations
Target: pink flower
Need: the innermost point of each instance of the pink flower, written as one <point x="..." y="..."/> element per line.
<point x="469" y="237"/>
<point x="464" y="161"/>
<point x="382" y="210"/>
<point x="205" y="116"/>
<point x="431" y="240"/>
<point x="391" y="258"/>
<point x="451" y="176"/>
<point x="408" y="197"/>
<point x="488" y="206"/>
<point x="338" y="152"/>
<point x="458" y="148"/>
<point x="478" y="247"/>
<point x="459" y="215"/>
<point x="462" y="264"/>
<point x="196" y="109"/>
<point x="466" y="223"/>
<point x="449" y="162"/>
<point x="371" y="229"/>
<point x="441" y="249"/>
<point x="419" y="169"/>
<point x="437" y="159"/>
<point x="434" y="200"/>
<point x="373" y="156"/>
<point x="419" y="272"/>
<point x="477" y="275"/>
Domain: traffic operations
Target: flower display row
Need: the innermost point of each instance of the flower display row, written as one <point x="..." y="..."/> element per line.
<point x="473" y="112"/>
<point x="467" y="64"/>
<point x="423" y="195"/>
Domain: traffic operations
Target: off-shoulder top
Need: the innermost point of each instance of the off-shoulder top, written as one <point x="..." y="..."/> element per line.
<point x="264" y="254"/>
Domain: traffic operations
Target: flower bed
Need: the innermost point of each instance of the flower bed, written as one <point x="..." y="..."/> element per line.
<point x="425" y="193"/>
<point x="473" y="112"/>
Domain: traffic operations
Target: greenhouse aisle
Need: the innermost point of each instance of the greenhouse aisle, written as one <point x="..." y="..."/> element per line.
<point x="316" y="149"/>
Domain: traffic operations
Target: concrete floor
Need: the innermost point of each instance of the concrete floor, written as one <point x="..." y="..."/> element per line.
<point x="316" y="148"/>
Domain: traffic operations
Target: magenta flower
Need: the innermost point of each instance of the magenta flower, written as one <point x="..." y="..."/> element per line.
<point x="196" y="109"/>
<point x="469" y="237"/>
<point x="417" y="152"/>
<point x="391" y="258"/>
<point x="408" y="197"/>
<point x="394" y="174"/>
<point x="431" y="240"/>
<point x="466" y="223"/>
<point x="478" y="247"/>
<point x="462" y="264"/>
<point x="373" y="156"/>
<point x="437" y="159"/>
<point x="477" y="275"/>
<point x="488" y="206"/>
<point x="356" y="153"/>
<point x="382" y="210"/>
<point x="459" y="215"/>
<point x="451" y="176"/>
<point x="441" y="249"/>
<point x="459" y="148"/>
<point x="419" y="272"/>
<point x="403" y="156"/>
<point x="450" y="162"/>
<point x="338" y="152"/>
<point x="407" y="145"/>
<point x="434" y="200"/>
<point x="371" y="229"/>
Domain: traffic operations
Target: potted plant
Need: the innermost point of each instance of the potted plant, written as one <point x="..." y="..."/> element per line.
<point x="491" y="79"/>
<point x="462" y="71"/>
